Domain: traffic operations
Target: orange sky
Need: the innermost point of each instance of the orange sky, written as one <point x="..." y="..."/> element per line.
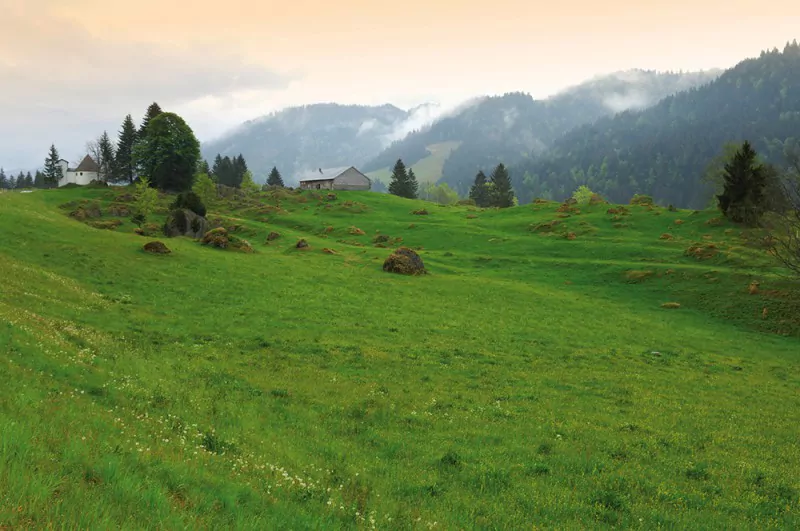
<point x="363" y="51"/>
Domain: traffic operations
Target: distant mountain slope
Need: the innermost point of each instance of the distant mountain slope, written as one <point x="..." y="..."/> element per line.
<point x="510" y="127"/>
<point x="428" y="169"/>
<point x="663" y="150"/>
<point x="302" y="139"/>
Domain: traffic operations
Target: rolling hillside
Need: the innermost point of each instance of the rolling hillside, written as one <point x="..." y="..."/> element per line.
<point x="533" y="378"/>
<point x="662" y="151"/>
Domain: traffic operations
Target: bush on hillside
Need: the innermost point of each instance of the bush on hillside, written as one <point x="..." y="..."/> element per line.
<point x="583" y="195"/>
<point x="642" y="200"/>
<point x="191" y="201"/>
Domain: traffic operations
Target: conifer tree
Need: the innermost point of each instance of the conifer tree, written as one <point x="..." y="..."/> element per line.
<point x="502" y="191"/>
<point x="413" y="185"/>
<point x="52" y="168"/>
<point x="3" y="180"/>
<point x="204" y="168"/>
<point x="12" y="182"/>
<point x="742" y="197"/>
<point x="275" y="178"/>
<point x="21" y="180"/>
<point x="152" y="111"/>
<point x="38" y="180"/>
<point x="105" y="149"/>
<point x="402" y="184"/>
<point x="479" y="191"/>
<point x="123" y="161"/>
<point x="28" y="180"/>
<point x="215" y="172"/>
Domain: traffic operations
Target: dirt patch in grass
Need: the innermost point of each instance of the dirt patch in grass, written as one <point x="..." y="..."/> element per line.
<point x="702" y="251"/>
<point x="420" y="212"/>
<point x="635" y="276"/>
<point x="355" y="231"/>
<point x="671" y="305"/>
<point x="545" y="226"/>
<point x="666" y="236"/>
<point x="156" y="247"/>
<point x="110" y="224"/>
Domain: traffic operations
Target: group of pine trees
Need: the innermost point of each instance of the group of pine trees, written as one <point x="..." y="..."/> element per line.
<point x="495" y="191"/>
<point x="404" y="182"/>
<point x="23" y="180"/>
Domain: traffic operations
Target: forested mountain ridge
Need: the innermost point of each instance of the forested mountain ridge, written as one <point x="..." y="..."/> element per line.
<point x="305" y="138"/>
<point x="663" y="150"/>
<point x="509" y="127"/>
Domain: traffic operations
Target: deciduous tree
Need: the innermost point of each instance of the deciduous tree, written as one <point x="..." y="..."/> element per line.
<point x="168" y="153"/>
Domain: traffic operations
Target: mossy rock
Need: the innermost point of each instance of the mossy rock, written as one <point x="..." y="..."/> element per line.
<point x="404" y="261"/>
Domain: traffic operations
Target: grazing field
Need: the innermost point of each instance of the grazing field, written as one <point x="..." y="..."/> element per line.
<point x="427" y="170"/>
<point x="558" y="368"/>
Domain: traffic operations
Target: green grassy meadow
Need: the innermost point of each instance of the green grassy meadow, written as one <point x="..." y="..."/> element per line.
<point x="427" y="170"/>
<point x="532" y="380"/>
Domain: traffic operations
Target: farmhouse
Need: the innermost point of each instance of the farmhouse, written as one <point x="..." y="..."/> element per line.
<point x="349" y="179"/>
<point x="86" y="172"/>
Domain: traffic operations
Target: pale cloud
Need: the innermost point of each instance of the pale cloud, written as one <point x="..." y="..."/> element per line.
<point x="62" y="85"/>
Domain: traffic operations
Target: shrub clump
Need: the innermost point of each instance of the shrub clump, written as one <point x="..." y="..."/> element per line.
<point x="120" y="211"/>
<point x="272" y="236"/>
<point x="404" y="261"/>
<point x="190" y="201"/>
<point x="642" y="200"/>
<point x="420" y="212"/>
<point x="156" y="247"/>
<point x="302" y="244"/>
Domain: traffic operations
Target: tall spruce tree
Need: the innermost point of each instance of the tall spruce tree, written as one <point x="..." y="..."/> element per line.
<point x="12" y="182"/>
<point x="413" y="185"/>
<point x="38" y="180"/>
<point x="204" y="168"/>
<point x="3" y="180"/>
<point x="742" y="198"/>
<point x="502" y="191"/>
<point x="152" y="111"/>
<point x="124" y="169"/>
<point x="107" y="158"/>
<point x="479" y="192"/>
<point x="28" y="180"/>
<point x="52" y="168"/>
<point x="21" y="180"/>
<point x="215" y="171"/>
<point x="275" y="178"/>
<point x="402" y="184"/>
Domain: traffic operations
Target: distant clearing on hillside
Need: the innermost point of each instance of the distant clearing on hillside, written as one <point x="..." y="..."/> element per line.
<point x="427" y="170"/>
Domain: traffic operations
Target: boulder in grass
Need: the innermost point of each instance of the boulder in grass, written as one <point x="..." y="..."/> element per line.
<point x="404" y="261"/>
<point x="184" y="222"/>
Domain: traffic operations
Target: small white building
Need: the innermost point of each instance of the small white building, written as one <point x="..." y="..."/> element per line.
<point x="86" y="172"/>
<point x="349" y="179"/>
